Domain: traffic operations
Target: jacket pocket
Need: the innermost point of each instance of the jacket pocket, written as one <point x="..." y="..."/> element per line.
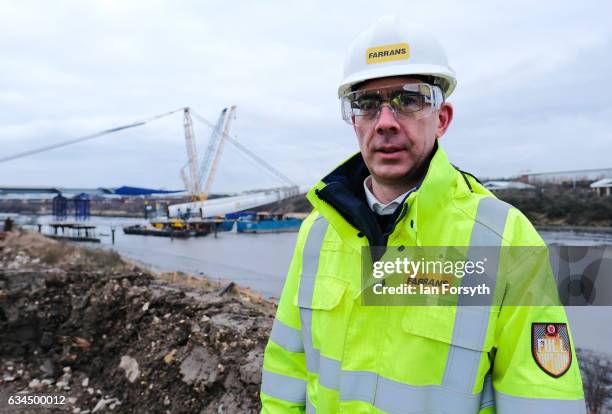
<point x="466" y="327"/>
<point x="324" y="293"/>
<point x="325" y="313"/>
<point x="463" y="339"/>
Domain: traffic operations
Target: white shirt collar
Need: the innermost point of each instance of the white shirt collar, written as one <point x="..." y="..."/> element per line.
<point x="378" y="207"/>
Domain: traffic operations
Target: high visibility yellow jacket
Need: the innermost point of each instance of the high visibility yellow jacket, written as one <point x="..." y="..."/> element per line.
<point x="328" y="353"/>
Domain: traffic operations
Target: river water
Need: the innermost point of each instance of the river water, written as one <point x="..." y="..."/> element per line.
<point x="261" y="262"/>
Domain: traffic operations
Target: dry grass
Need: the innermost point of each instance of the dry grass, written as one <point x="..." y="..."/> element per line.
<point x="204" y="284"/>
<point x="53" y="254"/>
<point x="57" y="253"/>
<point x="99" y="259"/>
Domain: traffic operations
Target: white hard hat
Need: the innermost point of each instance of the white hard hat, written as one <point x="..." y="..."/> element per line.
<point x="392" y="47"/>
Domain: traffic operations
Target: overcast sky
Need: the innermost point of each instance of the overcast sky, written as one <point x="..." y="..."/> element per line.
<point x="533" y="91"/>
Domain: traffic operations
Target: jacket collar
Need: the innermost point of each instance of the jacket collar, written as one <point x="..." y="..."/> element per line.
<point x="340" y="197"/>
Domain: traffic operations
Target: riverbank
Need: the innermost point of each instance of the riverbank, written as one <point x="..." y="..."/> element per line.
<point x="561" y="207"/>
<point x="102" y="333"/>
<point x="576" y="229"/>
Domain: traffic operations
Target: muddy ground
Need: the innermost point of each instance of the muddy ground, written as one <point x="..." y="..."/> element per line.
<point x="103" y="335"/>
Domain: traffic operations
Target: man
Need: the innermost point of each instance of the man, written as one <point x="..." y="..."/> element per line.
<point x="329" y="352"/>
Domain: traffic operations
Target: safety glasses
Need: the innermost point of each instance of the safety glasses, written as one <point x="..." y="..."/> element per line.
<point x="411" y="100"/>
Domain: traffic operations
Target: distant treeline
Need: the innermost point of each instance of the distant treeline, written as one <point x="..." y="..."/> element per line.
<point x="561" y="205"/>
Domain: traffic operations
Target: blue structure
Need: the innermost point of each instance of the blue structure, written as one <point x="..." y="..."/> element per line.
<point x="270" y="225"/>
<point x="82" y="207"/>
<point x="249" y="214"/>
<point x="60" y="208"/>
<point x="139" y="191"/>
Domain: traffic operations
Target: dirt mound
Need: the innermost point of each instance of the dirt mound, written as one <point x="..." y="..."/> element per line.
<point x="124" y="340"/>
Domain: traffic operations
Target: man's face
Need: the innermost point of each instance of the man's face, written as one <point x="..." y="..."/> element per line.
<point x="393" y="147"/>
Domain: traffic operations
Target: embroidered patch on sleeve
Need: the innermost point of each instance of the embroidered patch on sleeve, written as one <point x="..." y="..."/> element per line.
<point x="551" y="348"/>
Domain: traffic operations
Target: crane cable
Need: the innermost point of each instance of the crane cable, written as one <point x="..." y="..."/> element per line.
<point x="86" y="137"/>
<point x="232" y="140"/>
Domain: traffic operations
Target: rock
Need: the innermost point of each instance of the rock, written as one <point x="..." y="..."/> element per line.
<point x="111" y="402"/>
<point x="99" y="406"/>
<point x="48" y="368"/>
<point x="130" y="365"/>
<point x="169" y="357"/>
<point x="81" y="343"/>
<point x="145" y="307"/>
<point x="8" y="378"/>
<point x="34" y="384"/>
<point x="199" y="367"/>
<point x="85" y="382"/>
<point x="250" y="373"/>
<point x="64" y="381"/>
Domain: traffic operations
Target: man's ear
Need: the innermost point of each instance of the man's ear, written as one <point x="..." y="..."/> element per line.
<point x="445" y="117"/>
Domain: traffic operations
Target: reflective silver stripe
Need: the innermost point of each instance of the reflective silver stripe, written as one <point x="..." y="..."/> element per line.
<point x="287" y="337"/>
<point x="310" y="265"/>
<point x="309" y="407"/>
<point x="491" y="215"/>
<point x="396" y="397"/>
<point x="507" y="404"/>
<point x="283" y="387"/>
<point x="329" y="372"/>
<point x="471" y="322"/>
<point x="487" y="398"/>
<point x="312" y="353"/>
<point x="358" y="385"/>
<point x="310" y="261"/>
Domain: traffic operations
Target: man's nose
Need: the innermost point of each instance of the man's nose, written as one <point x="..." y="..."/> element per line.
<point x="386" y="122"/>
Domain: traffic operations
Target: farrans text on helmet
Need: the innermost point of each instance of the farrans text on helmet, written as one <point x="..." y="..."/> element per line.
<point x="387" y="53"/>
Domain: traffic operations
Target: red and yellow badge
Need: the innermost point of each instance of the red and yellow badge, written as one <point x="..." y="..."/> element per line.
<point x="551" y="348"/>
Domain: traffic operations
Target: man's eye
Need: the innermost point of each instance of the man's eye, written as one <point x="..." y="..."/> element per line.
<point x="367" y="104"/>
<point x="410" y="100"/>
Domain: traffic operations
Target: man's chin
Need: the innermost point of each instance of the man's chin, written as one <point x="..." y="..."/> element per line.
<point x="391" y="175"/>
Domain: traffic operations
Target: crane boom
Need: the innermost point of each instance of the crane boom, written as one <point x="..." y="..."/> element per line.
<point x="211" y="153"/>
<point x="192" y="154"/>
<point x="210" y="174"/>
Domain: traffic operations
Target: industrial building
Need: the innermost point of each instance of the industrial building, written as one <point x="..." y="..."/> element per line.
<point x="559" y="177"/>
<point x="602" y="187"/>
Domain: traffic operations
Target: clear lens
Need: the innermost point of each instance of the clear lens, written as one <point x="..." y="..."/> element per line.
<point x="414" y="100"/>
